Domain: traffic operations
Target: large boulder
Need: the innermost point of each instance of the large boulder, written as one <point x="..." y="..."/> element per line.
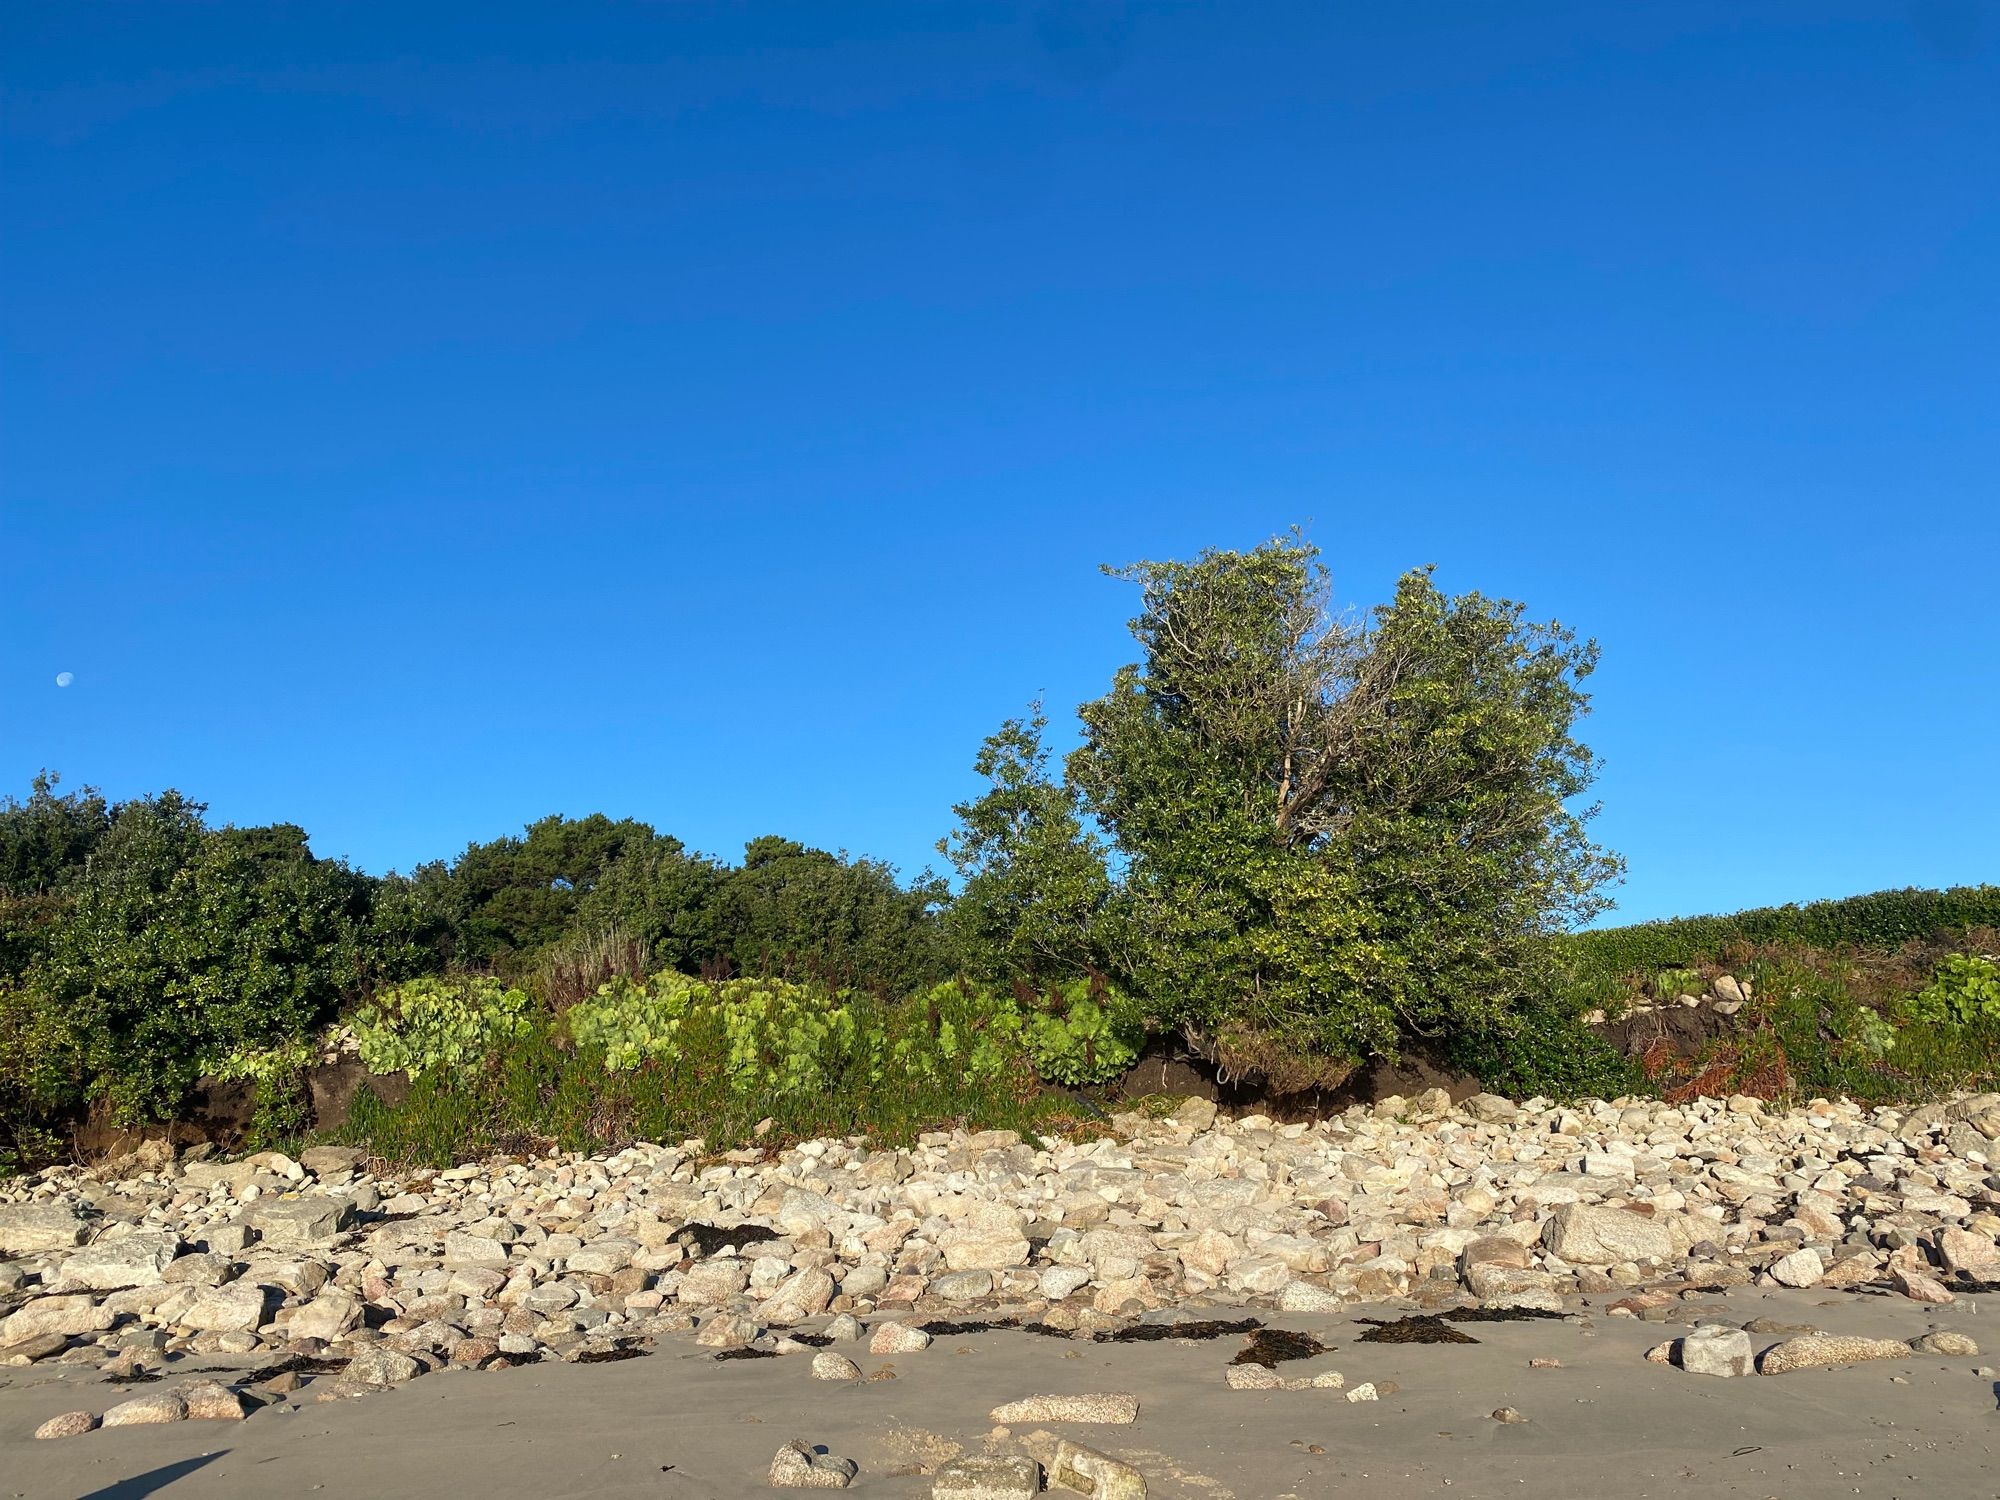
<point x="238" y="1307"/>
<point x="1587" y="1235"/>
<point x="67" y="1315"/>
<point x="136" y="1259"/>
<point x="30" y="1228"/>
<point x="301" y="1223"/>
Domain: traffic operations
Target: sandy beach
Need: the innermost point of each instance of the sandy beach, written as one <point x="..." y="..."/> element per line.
<point x="681" y="1423"/>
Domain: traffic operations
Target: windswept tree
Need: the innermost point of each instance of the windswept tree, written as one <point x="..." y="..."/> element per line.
<point x="1036" y="884"/>
<point x="1337" y="835"/>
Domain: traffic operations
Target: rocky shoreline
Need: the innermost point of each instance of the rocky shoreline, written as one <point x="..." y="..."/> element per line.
<point x="290" y="1280"/>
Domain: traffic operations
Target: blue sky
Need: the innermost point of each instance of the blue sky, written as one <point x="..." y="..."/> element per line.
<point x="418" y="419"/>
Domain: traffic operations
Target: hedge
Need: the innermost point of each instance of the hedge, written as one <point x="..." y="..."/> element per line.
<point x="1880" y="920"/>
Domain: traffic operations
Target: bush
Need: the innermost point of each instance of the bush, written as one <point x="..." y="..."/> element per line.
<point x="1880" y="921"/>
<point x="428" y="1024"/>
<point x="1544" y="1048"/>
<point x="1965" y="991"/>
<point x="1082" y="1033"/>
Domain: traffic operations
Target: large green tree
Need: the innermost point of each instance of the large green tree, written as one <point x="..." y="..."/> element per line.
<point x="1036" y="882"/>
<point x="1338" y="835"/>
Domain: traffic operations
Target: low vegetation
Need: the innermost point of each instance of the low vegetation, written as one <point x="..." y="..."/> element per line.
<point x="1289" y="841"/>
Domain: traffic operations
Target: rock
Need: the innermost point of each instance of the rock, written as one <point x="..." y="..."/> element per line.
<point x="1919" y="1287"/>
<point x="962" y="1286"/>
<point x="898" y="1338"/>
<point x="1726" y="988"/>
<point x="1714" y="1350"/>
<point x="1366" y="1391"/>
<point x="301" y="1223"/>
<point x="1057" y="1282"/>
<point x="726" y="1331"/>
<point x="987" y="1476"/>
<point x="1252" y="1378"/>
<point x="238" y="1307"/>
<point x="147" y="1411"/>
<point x="69" y="1424"/>
<point x="335" y="1311"/>
<point x="1970" y="1254"/>
<point x="1196" y="1113"/>
<point x="605" y="1257"/>
<point x="1491" y="1108"/>
<point x="990" y="1238"/>
<point x="324" y="1161"/>
<point x="31" y="1228"/>
<point x="713" y="1282"/>
<point x="1586" y="1235"/>
<point x="473" y="1252"/>
<point x="1802" y="1268"/>
<point x="1306" y="1297"/>
<point x="1085" y="1471"/>
<point x="799" y="1467"/>
<point x="212" y="1401"/>
<point x="803" y="1294"/>
<point x="1946" y="1342"/>
<point x="376" y="1365"/>
<point x="136" y="1259"/>
<point x="1117" y="1407"/>
<point x="1816" y="1351"/>
<point x="827" y="1365"/>
<point x="1507" y="1415"/>
<point x="67" y="1315"/>
<point x="845" y="1329"/>
<point x="29" y="1350"/>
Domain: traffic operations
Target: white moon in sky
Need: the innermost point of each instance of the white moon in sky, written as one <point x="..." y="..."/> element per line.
<point x="64" y="679"/>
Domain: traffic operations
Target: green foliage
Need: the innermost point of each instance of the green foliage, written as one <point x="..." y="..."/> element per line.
<point x="1036" y="883"/>
<point x="1544" y="1048"/>
<point x="887" y="1071"/>
<point x="179" y="945"/>
<point x="1965" y="991"/>
<point x="1878" y="922"/>
<point x="1670" y="984"/>
<point x="1336" y="839"/>
<point x="790" y="912"/>
<point x="426" y="1025"/>
<point x="1084" y="1034"/>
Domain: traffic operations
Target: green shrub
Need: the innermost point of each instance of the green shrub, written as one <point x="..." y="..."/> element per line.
<point x="1966" y="990"/>
<point x="1544" y="1048"/>
<point x="427" y="1024"/>
<point x="1881" y="921"/>
<point x="1090" y="1035"/>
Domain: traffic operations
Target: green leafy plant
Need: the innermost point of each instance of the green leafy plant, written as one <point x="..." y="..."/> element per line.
<point x="429" y="1024"/>
<point x="1966" y="990"/>
<point x="1085" y="1034"/>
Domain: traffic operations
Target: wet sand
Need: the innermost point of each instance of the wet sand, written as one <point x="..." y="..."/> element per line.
<point x="680" y="1424"/>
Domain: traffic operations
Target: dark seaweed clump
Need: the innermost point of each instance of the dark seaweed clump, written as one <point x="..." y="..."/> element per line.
<point x="1500" y="1314"/>
<point x="1422" y="1329"/>
<point x="300" y="1364"/>
<point x="139" y="1376"/>
<point x="748" y="1354"/>
<point x="812" y="1340"/>
<point x="706" y="1239"/>
<point x="612" y="1355"/>
<point x="1270" y="1347"/>
<point x="939" y="1328"/>
<point x="1149" y="1333"/>
<point x="1974" y="1284"/>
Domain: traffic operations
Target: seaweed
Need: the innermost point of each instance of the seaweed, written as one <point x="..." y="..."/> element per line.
<point x="1270" y="1347"/>
<point x="300" y="1364"/>
<point x="1422" y="1329"/>
<point x="812" y="1340"/>
<point x="747" y="1353"/>
<point x="939" y="1328"/>
<point x="706" y="1239"/>
<point x="1500" y="1314"/>
<point x="1148" y="1333"/>
<point x="611" y="1355"/>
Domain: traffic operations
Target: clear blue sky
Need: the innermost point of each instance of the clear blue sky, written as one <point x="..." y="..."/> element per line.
<point x="419" y="418"/>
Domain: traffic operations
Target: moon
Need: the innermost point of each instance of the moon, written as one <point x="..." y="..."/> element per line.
<point x="64" y="679"/>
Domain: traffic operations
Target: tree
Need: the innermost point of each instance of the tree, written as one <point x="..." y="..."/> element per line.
<point x="791" y="912"/>
<point x="515" y="896"/>
<point x="180" y="945"/>
<point x="1338" y="836"/>
<point x="1036" y="882"/>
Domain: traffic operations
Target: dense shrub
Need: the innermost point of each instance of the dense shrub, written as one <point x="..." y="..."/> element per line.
<point x="1879" y="921"/>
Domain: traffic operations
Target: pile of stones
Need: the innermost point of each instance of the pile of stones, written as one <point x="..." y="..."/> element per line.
<point x="319" y="1268"/>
